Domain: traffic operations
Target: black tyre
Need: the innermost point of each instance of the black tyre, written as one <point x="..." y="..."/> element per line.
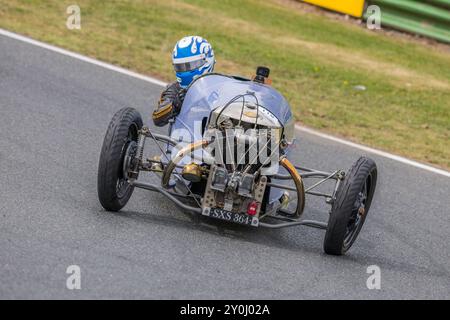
<point x="121" y="139"/>
<point x="349" y="211"/>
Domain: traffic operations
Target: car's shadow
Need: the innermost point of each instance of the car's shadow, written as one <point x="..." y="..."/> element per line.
<point x="291" y="238"/>
<point x="297" y="239"/>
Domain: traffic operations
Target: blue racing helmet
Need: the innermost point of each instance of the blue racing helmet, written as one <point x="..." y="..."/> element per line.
<point x="192" y="57"/>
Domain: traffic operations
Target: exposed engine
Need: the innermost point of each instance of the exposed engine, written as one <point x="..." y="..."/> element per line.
<point x="248" y="138"/>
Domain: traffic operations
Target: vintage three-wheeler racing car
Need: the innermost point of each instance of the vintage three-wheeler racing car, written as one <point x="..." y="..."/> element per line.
<point x="227" y="156"/>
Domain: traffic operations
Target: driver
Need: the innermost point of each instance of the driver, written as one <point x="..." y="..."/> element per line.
<point x="192" y="57"/>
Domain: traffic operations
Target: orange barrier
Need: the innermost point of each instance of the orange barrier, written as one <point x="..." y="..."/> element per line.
<point x="351" y="7"/>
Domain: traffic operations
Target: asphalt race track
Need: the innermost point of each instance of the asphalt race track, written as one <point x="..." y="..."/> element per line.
<point x="54" y="111"/>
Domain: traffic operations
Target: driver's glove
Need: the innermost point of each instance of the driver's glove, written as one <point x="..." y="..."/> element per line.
<point x="169" y="104"/>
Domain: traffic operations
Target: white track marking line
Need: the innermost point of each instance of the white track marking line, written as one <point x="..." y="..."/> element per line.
<point x="374" y="151"/>
<point x="162" y="84"/>
<point x="81" y="57"/>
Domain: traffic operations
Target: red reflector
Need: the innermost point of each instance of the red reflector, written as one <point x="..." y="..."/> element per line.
<point x="252" y="208"/>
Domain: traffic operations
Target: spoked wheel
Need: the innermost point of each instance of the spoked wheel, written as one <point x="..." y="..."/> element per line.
<point x="350" y="209"/>
<point x="118" y="151"/>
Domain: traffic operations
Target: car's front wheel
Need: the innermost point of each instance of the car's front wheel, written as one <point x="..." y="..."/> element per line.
<point x="119" y="143"/>
<point x="351" y="206"/>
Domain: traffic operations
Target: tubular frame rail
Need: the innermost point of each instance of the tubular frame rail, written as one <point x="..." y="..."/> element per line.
<point x="272" y="219"/>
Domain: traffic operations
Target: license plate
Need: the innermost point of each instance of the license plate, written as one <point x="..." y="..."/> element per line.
<point x="231" y="216"/>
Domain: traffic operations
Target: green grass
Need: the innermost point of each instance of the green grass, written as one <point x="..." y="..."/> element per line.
<point x="315" y="61"/>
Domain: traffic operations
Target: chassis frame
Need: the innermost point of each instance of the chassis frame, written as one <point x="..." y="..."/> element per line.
<point x="272" y="220"/>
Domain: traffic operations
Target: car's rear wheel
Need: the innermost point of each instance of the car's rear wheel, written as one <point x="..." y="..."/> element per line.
<point x="119" y="143"/>
<point x="350" y="209"/>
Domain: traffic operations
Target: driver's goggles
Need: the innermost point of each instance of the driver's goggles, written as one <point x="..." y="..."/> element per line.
<point x="188" y="66"/>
